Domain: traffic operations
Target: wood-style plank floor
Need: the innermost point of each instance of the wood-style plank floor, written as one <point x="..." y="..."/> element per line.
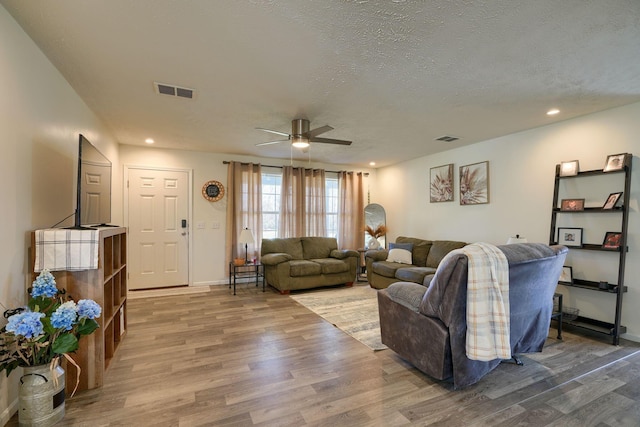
<point x="260" y="359"/>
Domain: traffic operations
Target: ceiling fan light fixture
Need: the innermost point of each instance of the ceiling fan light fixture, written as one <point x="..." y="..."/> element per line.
<point x="299" y="141"/>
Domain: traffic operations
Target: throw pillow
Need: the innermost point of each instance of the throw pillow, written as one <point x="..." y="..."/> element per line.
<point x="401" y="256"/>
<point x="407" y="246"/>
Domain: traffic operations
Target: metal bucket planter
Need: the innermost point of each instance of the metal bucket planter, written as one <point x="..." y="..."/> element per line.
<point x="41" y="395"/>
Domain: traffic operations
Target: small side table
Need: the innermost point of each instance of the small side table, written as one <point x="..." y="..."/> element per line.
<point x="246" y="271"/>
<point x="362" y="268"/>
<point x="558" y="314"/>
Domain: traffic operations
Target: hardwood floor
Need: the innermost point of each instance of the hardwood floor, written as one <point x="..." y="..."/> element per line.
<point x="214" y="359"/>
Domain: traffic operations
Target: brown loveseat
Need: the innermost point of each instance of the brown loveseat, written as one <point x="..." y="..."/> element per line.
<point x="427" y="325"/>
<point x="425" y="257"/>
<point x="307" y="262"/>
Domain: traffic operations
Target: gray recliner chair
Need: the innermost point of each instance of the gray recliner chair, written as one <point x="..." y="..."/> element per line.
<point x="427" y="325"/>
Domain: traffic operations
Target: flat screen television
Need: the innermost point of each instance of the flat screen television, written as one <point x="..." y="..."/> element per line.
<point x="93" y="191"/>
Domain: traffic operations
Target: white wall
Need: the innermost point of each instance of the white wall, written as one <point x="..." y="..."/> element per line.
<point x="208" y="260"/>
<point x="40" y="119"/>
<point x="522" y="168"/>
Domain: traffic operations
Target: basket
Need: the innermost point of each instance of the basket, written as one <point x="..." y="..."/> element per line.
<point x="568" y="313"/>
<point x="238" y="262"/>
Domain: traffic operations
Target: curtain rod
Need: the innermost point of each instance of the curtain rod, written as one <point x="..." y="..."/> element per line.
<point x="226" y="162"/>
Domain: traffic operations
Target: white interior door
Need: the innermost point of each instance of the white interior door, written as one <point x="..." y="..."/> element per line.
<point x="158" y="238"/>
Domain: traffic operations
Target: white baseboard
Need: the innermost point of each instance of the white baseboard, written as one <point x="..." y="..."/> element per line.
<point x="6" y="415"/>
<point x="211" y="283"/>
<point x="630" y="337"/>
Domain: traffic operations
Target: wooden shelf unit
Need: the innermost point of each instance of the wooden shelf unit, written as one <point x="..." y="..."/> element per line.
<point x="614" y="328"/>
<point x="107" y="285"/>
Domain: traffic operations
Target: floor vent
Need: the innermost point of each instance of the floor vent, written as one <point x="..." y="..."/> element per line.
<point x="447" y="138"/>
<point x="165" y="89"/>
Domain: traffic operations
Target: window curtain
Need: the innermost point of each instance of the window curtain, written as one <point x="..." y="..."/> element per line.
<point x="350" y="210"/>
<point x="244" y="208"/>
<point x="303" y="204"/>
<point x="316" y="202"/>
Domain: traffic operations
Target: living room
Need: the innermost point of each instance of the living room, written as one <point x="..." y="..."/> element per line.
<point x="41" y="116"/>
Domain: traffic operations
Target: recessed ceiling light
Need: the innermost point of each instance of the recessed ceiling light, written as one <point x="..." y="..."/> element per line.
<point x="372" y="163"/>
<point x="553" y="112"/>
<point x="149" y="141"/>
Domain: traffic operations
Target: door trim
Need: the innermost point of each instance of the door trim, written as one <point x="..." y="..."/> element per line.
<point x="125" y="191"/>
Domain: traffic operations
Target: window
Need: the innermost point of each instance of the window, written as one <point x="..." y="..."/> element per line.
<point x="331" y="195"/>
<point x="271" y="184"/>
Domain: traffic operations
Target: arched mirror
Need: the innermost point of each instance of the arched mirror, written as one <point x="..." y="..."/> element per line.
<point x="375" y="221"/>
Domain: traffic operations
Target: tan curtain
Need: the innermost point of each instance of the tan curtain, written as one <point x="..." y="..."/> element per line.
<point x="292" y="203"/>
<point x="303" y="202"/>
<point x="244" y="208"/>
<point x="316" y="201"/>
<point x="350" y="210"/>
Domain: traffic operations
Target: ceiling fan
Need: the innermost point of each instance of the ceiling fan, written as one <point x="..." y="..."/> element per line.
<point x="301" y="136"/>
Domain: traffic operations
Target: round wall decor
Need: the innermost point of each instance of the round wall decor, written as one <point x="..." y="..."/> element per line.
<point x="212" y="191"/>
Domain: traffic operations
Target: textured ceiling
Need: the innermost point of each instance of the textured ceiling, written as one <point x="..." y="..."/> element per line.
<point x="390" y="75"/>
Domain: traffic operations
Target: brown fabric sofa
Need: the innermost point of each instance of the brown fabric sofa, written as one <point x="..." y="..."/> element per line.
<point x="427" y="325"/>
<point x="425" y="258"/>
<point x="307" y="262"/>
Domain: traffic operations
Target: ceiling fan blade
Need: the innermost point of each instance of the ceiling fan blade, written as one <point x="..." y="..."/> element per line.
<point x="318" y="131"/>
<point x="272" y="142"/>
<point x="274" y="131"/>
<point x="331" y="141"/>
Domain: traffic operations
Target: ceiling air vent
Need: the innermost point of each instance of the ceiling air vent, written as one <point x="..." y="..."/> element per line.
<point x="447" y="138"/>
<point x="165" y="89"/>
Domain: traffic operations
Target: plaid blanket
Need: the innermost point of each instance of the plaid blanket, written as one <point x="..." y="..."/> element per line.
<point x="62" y="249"/>
<point x="487" y="303"/>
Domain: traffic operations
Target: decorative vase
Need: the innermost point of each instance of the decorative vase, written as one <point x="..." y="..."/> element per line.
<point x="373" y="243"/>
<point x="41" y="396"/>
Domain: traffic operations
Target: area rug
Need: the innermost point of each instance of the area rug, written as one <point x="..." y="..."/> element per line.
<point x="353" y="310"/>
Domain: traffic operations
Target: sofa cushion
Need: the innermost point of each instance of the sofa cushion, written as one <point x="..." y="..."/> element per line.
<point x="414" y="274"/>
<point x="439" y="249"/>
<point x="303" y="267"/>
<point x="331" y="266"/>
<point x="420" y="249"/>
<point x="402" y="256"/>
<point x="386" y="268"/>
<point x="291" y="246"/>
<point x="407" y="294"/>
<point x="318" y="247"/>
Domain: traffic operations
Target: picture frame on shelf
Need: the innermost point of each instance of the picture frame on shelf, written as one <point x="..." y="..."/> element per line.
<point x="570" y="237"/>
<point x="572" y="205"/>
<point x="615" y="162"/>
<point x="566" y="276"/>
<point x="612" y="200"/>
<point x="570" y="168"/>
<point x="441" y="184"/>
<point x="474" y="183"/>
<point x="612" y="240"/>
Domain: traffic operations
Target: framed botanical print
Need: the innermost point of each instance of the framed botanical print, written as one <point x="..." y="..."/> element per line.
<point x="474" y="183"/>
<point x="441" y="184"/>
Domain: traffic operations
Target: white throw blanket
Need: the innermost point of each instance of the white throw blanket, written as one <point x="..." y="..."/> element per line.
<point x="64" y="249"/>
<point x="487" y="303"/>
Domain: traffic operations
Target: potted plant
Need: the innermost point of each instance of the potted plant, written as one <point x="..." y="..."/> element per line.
<point x="35" y="338"/>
